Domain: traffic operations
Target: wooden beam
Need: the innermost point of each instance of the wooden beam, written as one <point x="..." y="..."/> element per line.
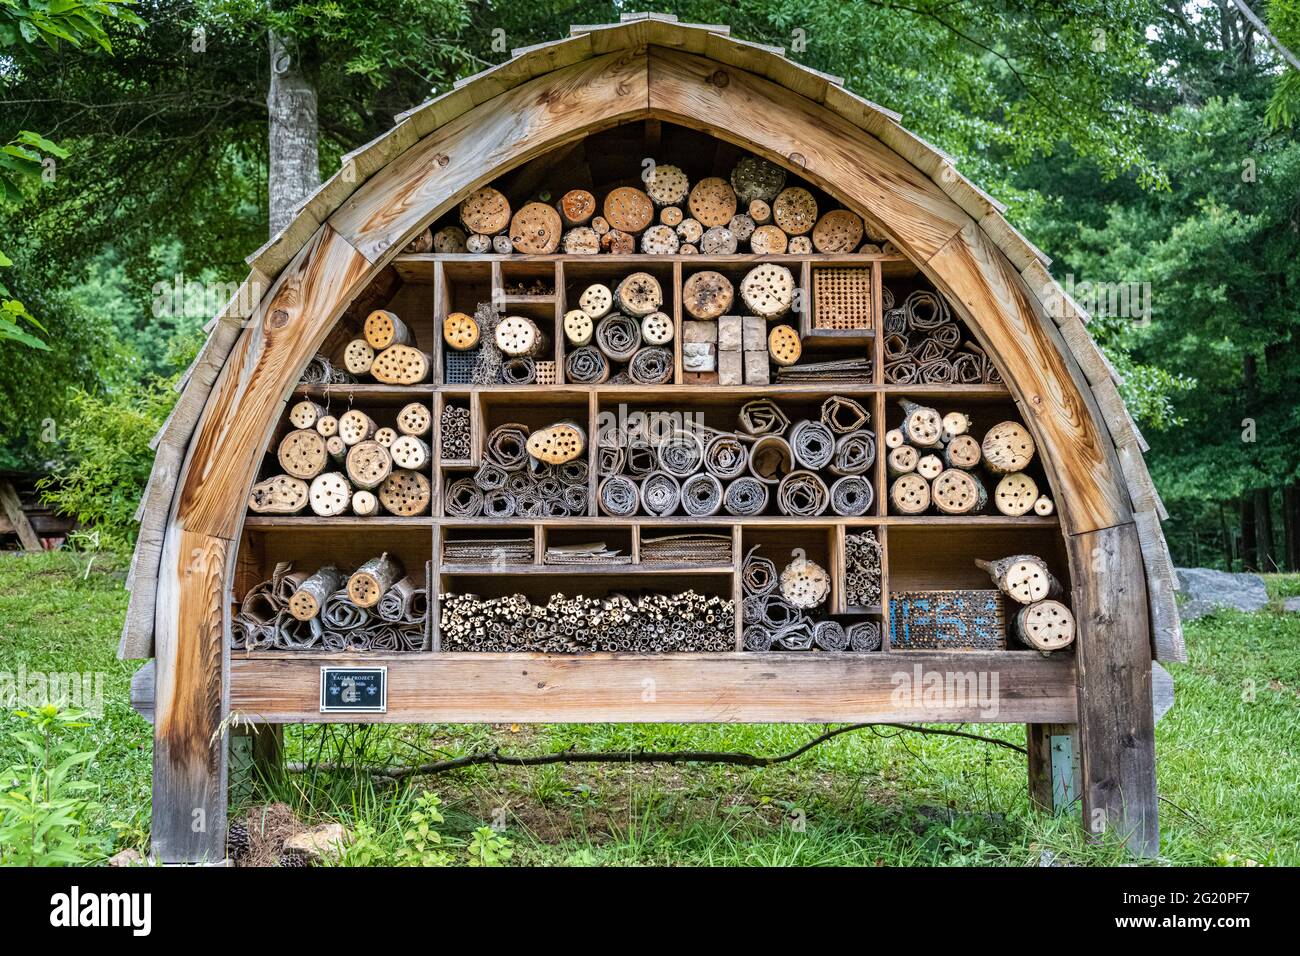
<point x="706" y="688"/>
<point x="13" y="510"/>
<point x="1116" y="724"/>
<point x="1053" y="766"/>
<point x="189" y="749"/>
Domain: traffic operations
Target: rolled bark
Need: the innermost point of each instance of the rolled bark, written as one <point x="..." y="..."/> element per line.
<point x="307" y="601"/>
<point x="302" y="453"/>
<point x="281" y="495"/>
<point x="395" y="605"/>
<point x="1024" y="578"/>
<point x="371" y="581"/>
<point x="1045" y="626"/>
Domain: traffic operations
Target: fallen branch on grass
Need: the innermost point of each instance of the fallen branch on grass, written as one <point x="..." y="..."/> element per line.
<point x="494" y="757"/>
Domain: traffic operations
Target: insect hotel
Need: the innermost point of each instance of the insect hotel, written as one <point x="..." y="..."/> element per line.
<point x="651" y="377"/>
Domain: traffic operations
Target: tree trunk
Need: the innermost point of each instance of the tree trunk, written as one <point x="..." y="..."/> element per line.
<point x="1249" y="554"/>
<point x="293" y="171"/>
<point x="1228" y="554"/>
<point x="1291" y="525"/>
<point x="1264" y="529"/>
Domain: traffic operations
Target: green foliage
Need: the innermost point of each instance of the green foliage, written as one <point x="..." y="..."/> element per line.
<point x="43" y="809"/>
<point x="107" y="441"/>
<point x="489" y="848"/>
<point x="421" y="843"/>
<point x="1284" y="22"/>
<point x="41" y="23"/>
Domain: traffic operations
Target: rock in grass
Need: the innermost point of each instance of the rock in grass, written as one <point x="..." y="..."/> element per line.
<point x="1206" y="589"/>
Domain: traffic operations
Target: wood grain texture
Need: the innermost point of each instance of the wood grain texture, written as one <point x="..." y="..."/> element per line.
<point x="892" y="194"/>
<point x="1116" y="724"/>
<point x="282" y="334"/>
<point x="1086" y="478"/>
<point x="730" y="687"/>
<point x="189" y="764"/>
<point x="485" y="142"/>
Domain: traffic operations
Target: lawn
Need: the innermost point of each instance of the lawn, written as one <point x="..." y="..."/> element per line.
<point x="1228" y="758"/>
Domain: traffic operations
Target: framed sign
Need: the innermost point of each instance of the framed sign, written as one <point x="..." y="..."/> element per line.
<point x="357" y="690"/>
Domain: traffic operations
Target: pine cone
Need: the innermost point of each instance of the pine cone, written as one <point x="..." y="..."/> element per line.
<point x="237" y="842"/>
<point x="293" y="859"/>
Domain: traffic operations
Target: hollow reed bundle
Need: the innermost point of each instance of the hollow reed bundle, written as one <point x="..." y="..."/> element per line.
<point x="454" y="440"/>
<point x="862" y="563"/>
<point x="646" y="623"/>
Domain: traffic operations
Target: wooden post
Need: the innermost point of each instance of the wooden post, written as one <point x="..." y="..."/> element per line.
<point x="1116" y="727"/>
<point x="256" y="760"/>
<point x="1053" y="766"/>
<point x="13" y="510"/>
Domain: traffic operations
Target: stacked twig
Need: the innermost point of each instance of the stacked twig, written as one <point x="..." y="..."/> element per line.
<point x="644" y="624"/>
<point x="454" y="442"/>
<point x="862" y="559"/>
<point x="282" y="614"/>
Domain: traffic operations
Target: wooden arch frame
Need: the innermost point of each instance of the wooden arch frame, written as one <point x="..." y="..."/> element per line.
<point x="193" y="670"/>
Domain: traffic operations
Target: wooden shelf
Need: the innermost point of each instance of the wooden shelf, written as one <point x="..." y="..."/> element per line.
<point x="299" y="522"/>
<point x="365" y="390"/>
<point x="583" y="570"/>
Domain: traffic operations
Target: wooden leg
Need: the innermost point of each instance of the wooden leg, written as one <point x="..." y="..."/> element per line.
<point x="1116" y="727"/>
<point x="13" y="510"/>
<point x="256" y="760"/>
<point x="1053" y="766"/>
<point x="189" y="744"/>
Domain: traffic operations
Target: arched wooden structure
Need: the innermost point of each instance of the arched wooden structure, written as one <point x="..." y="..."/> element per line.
<point x="649" y="67"/>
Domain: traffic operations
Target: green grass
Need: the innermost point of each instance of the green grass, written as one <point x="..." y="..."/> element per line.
<point x="1228" y="759"/>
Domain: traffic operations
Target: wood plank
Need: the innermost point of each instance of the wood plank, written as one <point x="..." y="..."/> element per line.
<point x="1053" y="765"/>
<point x="189" y="753"/>
<point x="891" y="194"/>
<point x="509" y="130"/>
<point x="728" y="687"/>
<point x="1089" y="488"/>
<point x="13" y="510"/>
<point x="1116" y="724"/>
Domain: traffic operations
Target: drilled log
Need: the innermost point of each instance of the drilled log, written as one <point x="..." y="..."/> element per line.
<point x="356" y="426"/>
<point x="922" y="426"/>
<point x="281" y="495"/>
<point x="383" y="328"/>
<point x="536" y="229"/>
<point x="414" y="419"/>
<point x="1024" y="578"/>
<point x="957" y="492"/>
<point x="707" y="295"/>
<point x="305" y="414"/>
<point x="411" y="452"/>
<point x="628" y="210"/>
<point x="330" y="494"/>
<point x="1045" y="626"/>
<point x="369" y="582"/>
<point x="405" y="493"/>
<point x="1007" y="447"/>
<point x="576" y="207"/>
<point x="909" y="494"/>
<point x="302" y="453"/>
<point x="485" y="211"/>
<point x="368" y="464"/>
<point x="358" y="356"/>
<point x="460" y="331"/>
<point x="401" y="365"/>
<point x="307" y="601"/>
<point x="1015" y="494"/>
